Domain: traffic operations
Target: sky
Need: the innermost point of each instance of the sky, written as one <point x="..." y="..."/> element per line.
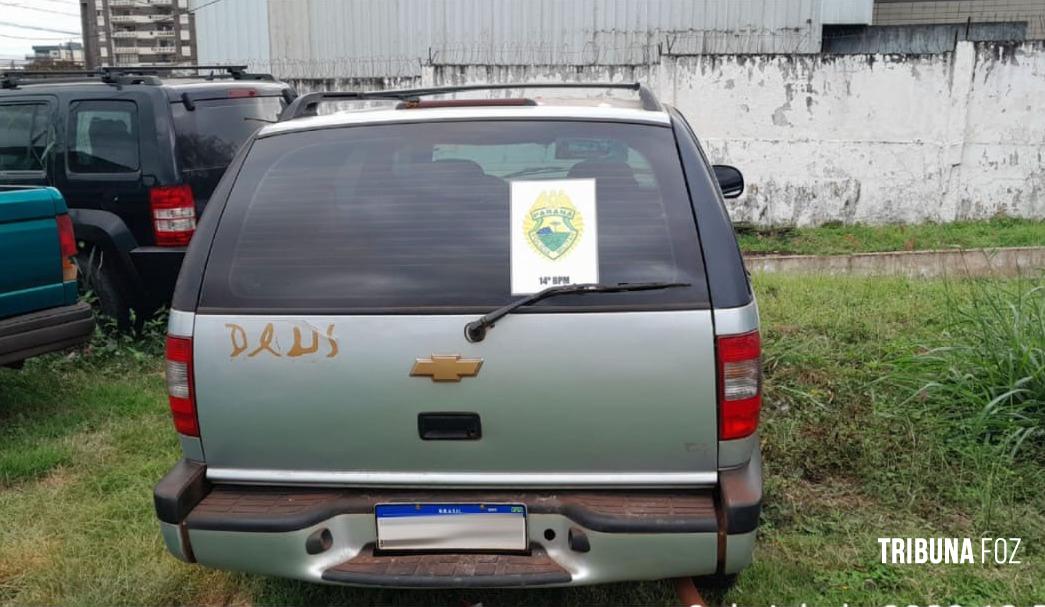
<point x="24" y="23"/>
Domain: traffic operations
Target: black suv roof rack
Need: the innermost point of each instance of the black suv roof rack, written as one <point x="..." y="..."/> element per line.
<point x="307" y="104"/>
<point x="146" y="74"/>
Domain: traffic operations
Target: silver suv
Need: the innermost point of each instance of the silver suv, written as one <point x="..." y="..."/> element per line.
<point x="467" y="342"/>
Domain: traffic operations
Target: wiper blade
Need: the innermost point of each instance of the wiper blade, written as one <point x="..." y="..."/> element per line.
<point x="476" y="330"/>
<point x="533" y="171"/>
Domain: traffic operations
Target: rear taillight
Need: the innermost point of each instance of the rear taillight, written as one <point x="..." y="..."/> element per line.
<point x="739" y="384"/>
<point x="67" y="246"/>
<point x="180" y="391"/>
<point x="173" y="215"/>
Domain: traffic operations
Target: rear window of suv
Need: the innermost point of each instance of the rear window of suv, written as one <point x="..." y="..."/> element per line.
<point x="415" y="217"/>
<point x="208" y="136"/>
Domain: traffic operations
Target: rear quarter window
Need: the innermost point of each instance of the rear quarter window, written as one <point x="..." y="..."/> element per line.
<point x="103" y="137"/>
<point x="415" y="217"/>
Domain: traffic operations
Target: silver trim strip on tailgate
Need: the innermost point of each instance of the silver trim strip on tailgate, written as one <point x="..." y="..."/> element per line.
<point x="732" y="321"/>
<point x="464" y="479"/>
<point x="180" y="323"/>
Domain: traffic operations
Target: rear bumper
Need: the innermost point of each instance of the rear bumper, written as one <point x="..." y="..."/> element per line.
<point x="157" y="269"/>
<point x="45" y="331"/>
<point x="576" y="537"/>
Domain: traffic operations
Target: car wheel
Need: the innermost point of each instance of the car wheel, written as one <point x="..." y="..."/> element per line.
<point x="102" y="286"/>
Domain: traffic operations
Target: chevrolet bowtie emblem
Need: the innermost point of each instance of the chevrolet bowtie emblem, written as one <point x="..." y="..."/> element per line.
<point x="447" y="367"/>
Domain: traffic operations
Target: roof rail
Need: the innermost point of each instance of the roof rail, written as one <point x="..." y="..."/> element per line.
<point x="15" y="79"/>
<point x="236" y="72"/>
<point x="146" y="74"/>
<point x="307" y="104"/>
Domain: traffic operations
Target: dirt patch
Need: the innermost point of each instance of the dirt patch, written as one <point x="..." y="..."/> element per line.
<point x="833" y="493"/>
<point x="217" y="592"/>
<point x="57" y="479"/>
<point x="25" y="557"/>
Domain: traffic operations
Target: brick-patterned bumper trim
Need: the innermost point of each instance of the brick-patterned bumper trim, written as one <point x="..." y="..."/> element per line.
<point x="275" y="509"/>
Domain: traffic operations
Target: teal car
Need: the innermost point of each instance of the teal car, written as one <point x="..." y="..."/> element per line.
<point x="39" y="310"/>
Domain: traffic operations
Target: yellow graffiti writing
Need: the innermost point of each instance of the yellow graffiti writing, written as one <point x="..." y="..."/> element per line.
<point x="265" y="342"/>
<point x="239" y="339"/>
<point x="332" y="341"/>
<point x="298" y="350"/>
<point x="268" y="342"/>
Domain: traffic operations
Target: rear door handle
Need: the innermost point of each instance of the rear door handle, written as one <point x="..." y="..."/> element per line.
<point x="449" y="426"/>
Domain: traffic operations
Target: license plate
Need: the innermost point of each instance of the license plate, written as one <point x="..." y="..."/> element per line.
<point x="451" y="527"/>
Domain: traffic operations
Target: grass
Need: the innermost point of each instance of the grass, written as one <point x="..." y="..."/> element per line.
<point x="993" y="353"/>
<point x="836" y="239"/>
<point x="866" y="434"/>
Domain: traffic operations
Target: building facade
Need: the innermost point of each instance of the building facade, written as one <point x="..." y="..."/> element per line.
<point x="66" y="52"/>
<point x="319" y="39"/>
<point x="138" y="32"/>
<point x="923" y="12"/>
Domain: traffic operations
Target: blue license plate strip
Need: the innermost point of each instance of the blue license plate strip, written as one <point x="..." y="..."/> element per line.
<point x="401" y="510"/>
<point x="451" y="526"/>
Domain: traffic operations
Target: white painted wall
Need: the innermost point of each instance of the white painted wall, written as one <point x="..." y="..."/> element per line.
<point x="874" y="139"/>
<point x="853" y="138"/>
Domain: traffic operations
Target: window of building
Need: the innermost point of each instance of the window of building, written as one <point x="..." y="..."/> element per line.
<point x="104" y="137"/>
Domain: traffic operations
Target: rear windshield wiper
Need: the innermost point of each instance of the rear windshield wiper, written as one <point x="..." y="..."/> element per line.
<point x="476" y="330"/>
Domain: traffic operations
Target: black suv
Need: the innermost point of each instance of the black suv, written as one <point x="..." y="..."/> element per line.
<point x="136" y="157"/>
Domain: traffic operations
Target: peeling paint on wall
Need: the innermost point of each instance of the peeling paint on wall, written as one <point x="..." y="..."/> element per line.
<point x="874" y="138"/>
<point x="850" y="138"/>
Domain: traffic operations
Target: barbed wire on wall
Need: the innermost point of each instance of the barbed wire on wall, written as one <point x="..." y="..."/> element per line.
<point x="603" y="49"/>
<point x="593" y="53"/>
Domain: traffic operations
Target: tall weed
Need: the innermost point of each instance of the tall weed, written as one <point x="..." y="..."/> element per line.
<point x="984" y="377"/>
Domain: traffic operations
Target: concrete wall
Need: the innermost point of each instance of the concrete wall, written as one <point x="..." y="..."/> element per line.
<point x="872" y="138"/>
<point x="851" y="138"/>
<point x="916" y="39"/>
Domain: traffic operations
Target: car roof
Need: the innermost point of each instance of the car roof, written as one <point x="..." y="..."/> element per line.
<point x="607" y="109"/>
<point x="174" y="87"/>
<point x="49" y="87"/>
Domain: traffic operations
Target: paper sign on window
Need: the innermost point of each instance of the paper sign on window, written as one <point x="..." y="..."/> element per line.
<point x="554" y="234"/>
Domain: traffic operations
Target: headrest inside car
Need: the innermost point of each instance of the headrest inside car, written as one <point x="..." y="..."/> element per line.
<point x="615" y="173"/>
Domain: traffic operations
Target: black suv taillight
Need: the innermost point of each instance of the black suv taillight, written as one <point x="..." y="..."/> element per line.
<point x="173" y="215"/>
